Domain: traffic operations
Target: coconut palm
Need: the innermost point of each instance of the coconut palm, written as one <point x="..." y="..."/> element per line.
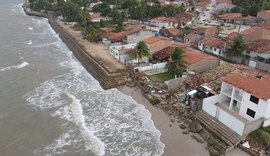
<point x="237" y="48"/>
<point x="141" y="51"/>
<point x="177" y="64"/>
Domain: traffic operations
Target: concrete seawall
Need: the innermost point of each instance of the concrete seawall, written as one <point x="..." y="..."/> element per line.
<point x="106" y="78"/>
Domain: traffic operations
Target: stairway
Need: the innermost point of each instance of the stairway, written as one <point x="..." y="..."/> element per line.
<point x="218" y="129"/>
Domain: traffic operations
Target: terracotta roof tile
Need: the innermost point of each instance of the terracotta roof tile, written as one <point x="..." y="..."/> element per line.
<point x="231" y="16"/>
<point x="259" y="87"/>
<point x="173" y="31"/>
<point x="160" y="19"/>
<point x="260" y="46"/>
<point x="190" y="35"/>
<point x="154" y="39"/>
<point x="117" y="36"/>
<point x="208" y="31"/>
<point x="213" y="42"/>
<point x="250" y="30"/>
<point x="232" y="36"/>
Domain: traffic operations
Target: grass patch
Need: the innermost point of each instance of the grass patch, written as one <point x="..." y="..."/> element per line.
<point x="261" y="136"/>
<point x="161" y="77"/>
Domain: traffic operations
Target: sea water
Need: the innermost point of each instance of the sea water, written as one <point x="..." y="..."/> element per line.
<point x="50" y="105"/>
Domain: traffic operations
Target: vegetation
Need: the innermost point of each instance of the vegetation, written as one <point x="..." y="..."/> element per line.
<point x="161" y="77"/>
<point x="141" y="51"/>
<point x="177" y="64"/>
<point x="250" y="7"/>
<point x="237" y="48"/>
<point x="261" y="137"/>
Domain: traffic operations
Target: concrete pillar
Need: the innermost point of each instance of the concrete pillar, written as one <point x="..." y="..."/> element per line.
<point x="231" y="102"/>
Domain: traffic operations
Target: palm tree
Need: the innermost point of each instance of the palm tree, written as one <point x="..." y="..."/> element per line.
<point x="141" y="51"/>
<point x="177" y="64"/>
<point x="237" y="48"/>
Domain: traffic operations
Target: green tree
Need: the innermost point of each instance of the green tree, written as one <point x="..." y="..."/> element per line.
<point x="141" y="51"/>
<point x="237" y="48"/>
<point x="71" y="11"/>
<point x="177" y="64"/>
<point x="90" y="32"/>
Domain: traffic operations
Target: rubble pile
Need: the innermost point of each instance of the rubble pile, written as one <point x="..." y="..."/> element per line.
<point x="214" y="77"/>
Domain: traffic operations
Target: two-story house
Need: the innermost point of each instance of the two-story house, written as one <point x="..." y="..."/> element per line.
<point x="243" y="104"/>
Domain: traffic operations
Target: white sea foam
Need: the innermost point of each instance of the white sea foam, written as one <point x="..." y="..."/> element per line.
<point x="29" y="42"/>
<point x="30" y="28"/>
<point x="18" y="66"/>
<point x="93" y="142"/>
<point x="104" y="122"/>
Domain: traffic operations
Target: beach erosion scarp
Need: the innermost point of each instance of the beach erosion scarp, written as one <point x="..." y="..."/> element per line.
<point x="93" y="56"/>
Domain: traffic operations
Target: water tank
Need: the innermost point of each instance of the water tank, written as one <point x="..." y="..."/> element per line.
<point x="156" y="33"/>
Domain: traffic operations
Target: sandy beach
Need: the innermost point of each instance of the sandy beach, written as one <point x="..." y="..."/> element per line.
<point x="176" y="143"/>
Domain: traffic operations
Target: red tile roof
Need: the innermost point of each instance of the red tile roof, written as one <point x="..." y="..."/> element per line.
<point x="259" y="87"/>
<point x="208" y="31"/>
<point x="160" y="19"/>
<point x="192" y="56"/>
<point x="117" y="36"/>
<point x="213" y="42"/>
<point x="265" y="14"/>
<point x="250" y="30"/>
<point x="185" y="17"/>
<point x="173" y="31"/>
<point x="229" y="16"/>
<point x="232" y="36"/>
<point x="190" y="35"/>
<point x="154" y="39"/>
<point x="260" y="46"/>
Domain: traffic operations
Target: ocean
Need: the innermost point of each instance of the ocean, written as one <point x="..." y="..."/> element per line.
<point x="51" y="106"/>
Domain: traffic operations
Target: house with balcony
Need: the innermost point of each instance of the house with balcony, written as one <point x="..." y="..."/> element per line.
<point x="243" y="104"/>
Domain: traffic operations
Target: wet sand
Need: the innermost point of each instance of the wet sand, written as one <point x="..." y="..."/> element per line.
<point x="176" y="143"/>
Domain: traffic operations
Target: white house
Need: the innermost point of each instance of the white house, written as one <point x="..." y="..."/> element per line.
<point x="163" y="22"/>
<point x="212" y="45"/>
<point x="243" y="103"/>
<point x="259" y="53"/>
<point x="120" y="52"/>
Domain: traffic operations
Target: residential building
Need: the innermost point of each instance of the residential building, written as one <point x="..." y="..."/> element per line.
<point x="121" y="52"/>
<point x="208" y="31"/>
<point x="109" y="37"/>
<point x="163" y="22"/>
<point x="243" y="104"/>
<point x="254" y="33"/>
<point x="259" y="53"/>
<point x="172" y="33"/>
<point x="264" y="16"/>
<point x="212" y="45"/>
<point x="197" y="62"/>
<point x="186" y="19"/>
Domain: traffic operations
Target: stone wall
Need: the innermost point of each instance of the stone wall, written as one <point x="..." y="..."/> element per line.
<point x="106" y="79"/>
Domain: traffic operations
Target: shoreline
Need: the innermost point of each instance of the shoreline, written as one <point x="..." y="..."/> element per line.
<point x="94" y="57"/>
<point x="176" y="143"/>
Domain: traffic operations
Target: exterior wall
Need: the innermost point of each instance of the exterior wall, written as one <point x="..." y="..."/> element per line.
<point x="209" y="106"/>
<point x="230" y="121"/>
<point x="217" y="51"/>
<point x="260" y="108"/>
<point x="158" y="66"/>
<point x="204" y="65"/>
<point x="160" y="24"/>
<point x="139" y="36"/>
<point x="200" y="46"/>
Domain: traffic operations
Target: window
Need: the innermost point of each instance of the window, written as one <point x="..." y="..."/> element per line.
<point x="251" y="113"/>
<point x="254" y="99"/>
